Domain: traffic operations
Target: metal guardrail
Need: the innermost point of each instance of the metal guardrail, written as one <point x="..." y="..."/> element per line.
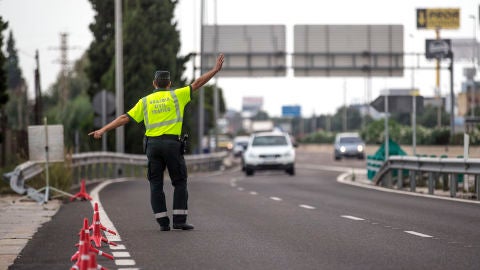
<point x="433" y="171"/>
<point x="104" y="165"/>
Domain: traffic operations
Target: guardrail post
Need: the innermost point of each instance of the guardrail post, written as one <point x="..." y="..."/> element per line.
<point x="431" y="183"/>
<point x="477" y="186"/>
<point x="399" y="179"/>
<point x="453" y="185"/>
<point x="445" y="182"/>
<point x="413" y="184"/>
<point x="389" y="178"/>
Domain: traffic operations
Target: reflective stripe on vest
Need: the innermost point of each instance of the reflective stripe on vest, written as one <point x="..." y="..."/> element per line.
<point x="149" y="125"/>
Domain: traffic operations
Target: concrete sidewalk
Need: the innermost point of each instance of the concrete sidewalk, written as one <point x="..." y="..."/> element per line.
<point x="19" y="221"/>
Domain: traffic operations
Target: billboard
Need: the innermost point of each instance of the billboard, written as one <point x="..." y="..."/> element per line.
<point x="438" y="18"/>
<point x="252" y="104"/>
<point x="250" y="50"/>
<point x="348" y="50"/>
<point x="438" y="48"/>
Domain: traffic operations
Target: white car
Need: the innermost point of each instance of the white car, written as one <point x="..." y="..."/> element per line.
<point x="269" y="151"/>
<point x="239" y="145"/>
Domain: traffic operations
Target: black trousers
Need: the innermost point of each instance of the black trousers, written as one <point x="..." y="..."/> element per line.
<point x="166" y="153"/>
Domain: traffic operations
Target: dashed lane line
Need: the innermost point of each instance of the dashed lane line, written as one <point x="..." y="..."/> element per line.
<point x="253" y="193"/>
<point x="352" y="218"/>
<point x="276" y="199"/>
<point x="419" y="234"/>
<point x="306" y="206"/>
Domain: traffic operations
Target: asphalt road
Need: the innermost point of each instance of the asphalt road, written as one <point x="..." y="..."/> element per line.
<point x="273" y="221"/>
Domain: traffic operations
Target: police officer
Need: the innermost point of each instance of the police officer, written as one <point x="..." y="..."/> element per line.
<point x="162" y="113"/>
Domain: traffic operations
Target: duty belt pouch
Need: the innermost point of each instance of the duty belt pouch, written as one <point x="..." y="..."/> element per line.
<point x="183" y="144"/>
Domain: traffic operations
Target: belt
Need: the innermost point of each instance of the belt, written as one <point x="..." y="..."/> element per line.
<point x="169" y="137"/>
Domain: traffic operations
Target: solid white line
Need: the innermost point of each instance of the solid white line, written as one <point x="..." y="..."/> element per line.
<point x="276" y="198"/>
<point x="240" y="189"/>
<point x="105" y="219"/>
<point x="307" y="206"/>
<point x="353" y="218"/>
<point x="253" y="193"/>
<point x="419" y="234"/>
<point x="121" y="254"/>
<point x="124" y="262"/>
<point x="103" y="215"/>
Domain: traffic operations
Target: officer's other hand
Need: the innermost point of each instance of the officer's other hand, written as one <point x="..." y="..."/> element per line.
<point x="97" y="134"/>
<point x="219" y="63"/>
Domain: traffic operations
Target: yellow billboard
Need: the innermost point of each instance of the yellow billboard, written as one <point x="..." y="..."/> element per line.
<point x="441" y="18"/>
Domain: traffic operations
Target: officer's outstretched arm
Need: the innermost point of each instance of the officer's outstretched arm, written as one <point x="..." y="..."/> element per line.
<point x="208" y="75"/>
<point x="119" y="121"/>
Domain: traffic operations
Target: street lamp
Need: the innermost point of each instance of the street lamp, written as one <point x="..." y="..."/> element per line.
<point x="474" y="55"/>
<point x="414" y="94"/>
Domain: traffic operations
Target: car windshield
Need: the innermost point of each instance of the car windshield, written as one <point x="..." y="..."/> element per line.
<point x="269" y="141"/>
<point x="350" y="140"/>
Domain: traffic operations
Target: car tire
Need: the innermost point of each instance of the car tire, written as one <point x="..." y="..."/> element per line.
<point x="249" y="172"/>
<point x="361" y="156"/>
<point x="338" y="157"/>
<point x="290" y="170"/>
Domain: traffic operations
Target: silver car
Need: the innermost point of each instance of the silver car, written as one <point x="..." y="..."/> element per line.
<point x="349" y="145"/>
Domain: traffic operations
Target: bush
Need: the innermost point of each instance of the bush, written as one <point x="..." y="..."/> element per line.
<point x="319" y="137"/>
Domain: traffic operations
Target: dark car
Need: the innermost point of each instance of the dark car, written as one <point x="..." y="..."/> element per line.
<point x="349" y="145"/>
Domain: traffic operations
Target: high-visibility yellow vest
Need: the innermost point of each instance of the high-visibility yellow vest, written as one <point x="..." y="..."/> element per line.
<point x="162" y="111"/>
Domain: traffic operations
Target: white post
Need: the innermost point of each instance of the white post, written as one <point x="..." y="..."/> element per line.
<point x="119" y="132"/>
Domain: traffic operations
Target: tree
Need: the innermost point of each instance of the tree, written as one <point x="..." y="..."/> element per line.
<point x="16" y="108"/>
<point x="3" y="93"/>
<point x="150" y="42"/>
<point x="3" y="75"/>
<point x="428" y="118"/>
<point x="102" y="50"/>
<point x="77" y="116"/>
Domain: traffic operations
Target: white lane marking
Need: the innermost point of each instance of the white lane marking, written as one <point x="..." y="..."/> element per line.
<point x="233" y="182"/>
<point x="307" y="206"/>
<point x="124" y="262"/>
<point x="276" y="199"/>
<point x="117" y="247"/>
<point x="352" y="217"/>
<point x="106" y="220"/>
<point x="121" y="254"/>
<point x="419" y="234"/>
<point x="240" y="189"/>
<point x="253" y="193"/>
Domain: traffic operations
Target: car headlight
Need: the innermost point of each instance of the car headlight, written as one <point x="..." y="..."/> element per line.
<point x="360" y="148"/>
<point x="342" y="149"/>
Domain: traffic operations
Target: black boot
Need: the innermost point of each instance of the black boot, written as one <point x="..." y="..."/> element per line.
<point x="183" y="226"/>
<point x="164" y="223"/>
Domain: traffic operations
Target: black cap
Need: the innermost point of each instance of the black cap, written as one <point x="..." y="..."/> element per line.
<point x="162" y="75"/>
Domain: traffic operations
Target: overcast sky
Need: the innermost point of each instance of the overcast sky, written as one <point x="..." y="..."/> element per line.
<point x="36" y="24"/>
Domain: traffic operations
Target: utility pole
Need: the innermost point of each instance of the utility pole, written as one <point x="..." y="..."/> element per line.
<point x="64" y="68"/>
<point x="201" y="99"/>
<point x="119" y="132"/>
<point x="38" y="93"/>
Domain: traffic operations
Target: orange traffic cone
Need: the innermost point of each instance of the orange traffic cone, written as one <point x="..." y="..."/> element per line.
<point x="82" y="194"/>
<point x="96" y="229"/>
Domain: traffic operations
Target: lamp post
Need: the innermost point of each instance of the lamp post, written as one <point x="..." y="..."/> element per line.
<point x="414" y="94"/>
<point x="474" y="55"/>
